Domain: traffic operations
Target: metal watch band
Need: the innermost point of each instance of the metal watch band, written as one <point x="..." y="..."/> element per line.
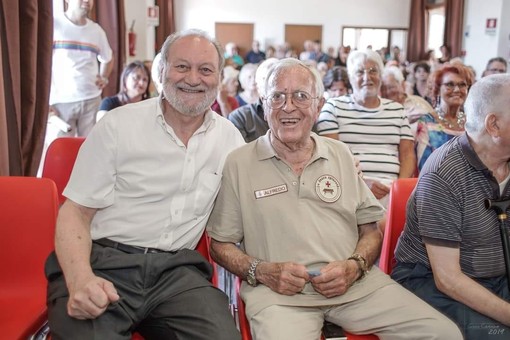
<point x="251" y="278"/>
<point x="362" y="264"/>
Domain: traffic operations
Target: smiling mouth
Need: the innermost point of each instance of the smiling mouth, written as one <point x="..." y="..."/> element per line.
<point x="191" y="90"/>
<point x="289" y="121"/>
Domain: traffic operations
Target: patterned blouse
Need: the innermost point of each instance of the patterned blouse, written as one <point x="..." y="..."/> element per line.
<point x="430" y="135"/>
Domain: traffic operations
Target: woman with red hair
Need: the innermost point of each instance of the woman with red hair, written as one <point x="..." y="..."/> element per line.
<point x="450" y="88"/>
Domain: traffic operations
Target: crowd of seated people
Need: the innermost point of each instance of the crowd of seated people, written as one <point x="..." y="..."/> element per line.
<point x="423" y="102"/>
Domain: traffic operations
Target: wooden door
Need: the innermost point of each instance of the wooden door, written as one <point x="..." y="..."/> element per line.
<point x="241" y="34"/>
<point x="297" y="34"/>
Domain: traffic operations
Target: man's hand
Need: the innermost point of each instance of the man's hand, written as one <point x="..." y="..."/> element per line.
<point x="101" y="82"/>
<point x="336" y="278"/>
<point x="285" y="278"/>
<point x="378" y="189"/>
<point x="90" y="297"/>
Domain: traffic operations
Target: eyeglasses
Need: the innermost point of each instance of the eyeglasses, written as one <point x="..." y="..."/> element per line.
<point x="451" y="86"/>
<point x="300" y="99"/>
<point x="372" y="71"/>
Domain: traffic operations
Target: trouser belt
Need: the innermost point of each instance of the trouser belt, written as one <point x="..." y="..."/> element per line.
<point x="127" y="248"/>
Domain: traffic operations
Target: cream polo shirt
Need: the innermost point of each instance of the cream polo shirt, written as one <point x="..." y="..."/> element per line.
<point x="310" y="219"/>
<point x="150" y="190"/>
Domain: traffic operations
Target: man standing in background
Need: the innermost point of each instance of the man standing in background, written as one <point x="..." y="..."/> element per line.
<point x="77" y="80"/>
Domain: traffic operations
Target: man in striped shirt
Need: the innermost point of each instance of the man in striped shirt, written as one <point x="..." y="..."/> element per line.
<point x="375" y="129"/>
<point x="450" y="253"/>
<point x="82" y="62"/>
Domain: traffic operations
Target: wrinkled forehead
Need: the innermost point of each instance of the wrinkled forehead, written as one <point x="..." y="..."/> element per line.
<point x="290" y="79"/>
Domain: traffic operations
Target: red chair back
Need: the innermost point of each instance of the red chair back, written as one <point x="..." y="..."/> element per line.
<point x="396" y="219"/>
<point x="27" y="229"/>
<point x="59" y="161"/>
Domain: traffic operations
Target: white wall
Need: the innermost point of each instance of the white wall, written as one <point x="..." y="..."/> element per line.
<point x="145" y="34"/>
<point x="479" y="45"/>
<point x="270" y="16"/>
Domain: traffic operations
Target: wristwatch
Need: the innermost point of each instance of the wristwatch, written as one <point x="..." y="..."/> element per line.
<point x="362" y="264"/>
<point x="250" y="278"/>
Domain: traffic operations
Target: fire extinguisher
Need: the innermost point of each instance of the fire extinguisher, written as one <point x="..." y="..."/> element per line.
<point x="132" y="40"/>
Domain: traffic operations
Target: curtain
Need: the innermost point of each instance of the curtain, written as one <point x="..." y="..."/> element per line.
<point x="454" y="22"/>
<point x="26" y="37"/>
<point x="417" y="35"/>
<point x="166" y="22"/>
<point x="110" y="16"/>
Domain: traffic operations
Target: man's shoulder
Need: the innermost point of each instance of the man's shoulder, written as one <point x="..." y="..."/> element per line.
<point x="446" y="159"/>
<point x="248" y="110"/>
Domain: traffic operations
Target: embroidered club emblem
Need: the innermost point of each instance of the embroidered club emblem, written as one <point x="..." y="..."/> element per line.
<point x="328" y="188"/>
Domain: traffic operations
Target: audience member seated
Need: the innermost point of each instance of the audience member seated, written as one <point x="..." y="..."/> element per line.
<point x="307" y="224"/>
<point x="495" y="66"/>
<point x="432" y="60"/>
<point x="250" y="119"/>
<point x="336" y="82"/>
<point x="134" y="87"/>
<point x="226" y="102"/>
<point x="445" y="55"/>
<point x="308" y="52"/>
<point x="255" y="55"/>
<point x="138" y="200"/>
<point x="376" y="129"/>
<point x="393" y="87"/>
<point x="249" y="94"/>
<point x="319" y="55"/>
<point x="421" y="73"/>
<point x="270" y="52"/>
<point x="450" y="253"/>
<point x="232" y="56"/>
<point x="451" y="85"/>
<point x="341" y="58"/>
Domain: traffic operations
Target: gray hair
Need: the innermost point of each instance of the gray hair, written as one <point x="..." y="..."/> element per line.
<point x="488" y="95"/>
<point x="393" y="71"/>
<point x="171" y="39"/>
<point x="261" y="75"/>
<point x="355" y="57"/>
<point x="287" y="63"/>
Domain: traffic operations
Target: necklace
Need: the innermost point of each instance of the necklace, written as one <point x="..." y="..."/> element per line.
<point x="461" y="119"/>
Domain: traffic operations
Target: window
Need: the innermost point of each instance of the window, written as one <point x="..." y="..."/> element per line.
<point x="436" y="25"/>
<point x="436" y="28"/>
<point x="377" y="38"/>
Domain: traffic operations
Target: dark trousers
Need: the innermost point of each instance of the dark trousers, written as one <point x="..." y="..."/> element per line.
<point x="475" y="326"/>
<point x="162" y="295"/>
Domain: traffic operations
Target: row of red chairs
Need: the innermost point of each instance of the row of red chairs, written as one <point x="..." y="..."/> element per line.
<point x="28" y="238"/>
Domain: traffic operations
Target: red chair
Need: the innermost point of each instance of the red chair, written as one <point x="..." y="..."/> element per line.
<point x="59" y="161"/>
<point x="396" y="218"/>
<point x="244" y="325"/>
<point x="27" y="224"/>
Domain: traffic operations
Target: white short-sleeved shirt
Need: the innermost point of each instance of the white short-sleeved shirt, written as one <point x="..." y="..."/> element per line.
<point x="150" y="190"/>
<point x="76" y="51"/>
<point x="373" y="135"/>
<point x="310" y="219"/>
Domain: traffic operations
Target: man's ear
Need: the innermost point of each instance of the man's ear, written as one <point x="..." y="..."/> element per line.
<point x="492" y="124"/>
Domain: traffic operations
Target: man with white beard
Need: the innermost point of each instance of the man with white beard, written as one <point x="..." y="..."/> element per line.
<point x="140" y="194"/>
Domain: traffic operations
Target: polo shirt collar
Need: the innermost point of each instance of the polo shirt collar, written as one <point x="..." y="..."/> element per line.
<point x="266" y="151"/>
<point x="470" y="154"/>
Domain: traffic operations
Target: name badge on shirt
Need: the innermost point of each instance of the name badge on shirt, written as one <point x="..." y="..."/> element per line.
<point x="271" y="191"/>
<point x="328" y="188"/>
